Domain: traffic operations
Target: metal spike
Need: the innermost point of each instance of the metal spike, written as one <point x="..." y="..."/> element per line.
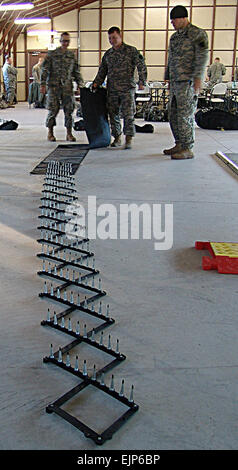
<point x="131" y="399"/>
<point x="69" y="325"/>
<point x="93" y="335"/>
<point x="51" y="352"/>
<point x="60" y="356"/>
<point x="109" y="342"/>
<point x="85" y="331"/>
<point x="67" y="360"/>
<point x="55" y="270"/>
<point x="107" y="312"/>
<point x="55" y="319"/>
<point x="93" y="283"/>
<point x="48" y="315"/>
<point x="102" y="379"/>
<point x="94" y="376"/>
<point x="45" y="288"/>
<point x="51" y="289"/>
<point x="76" y="367"/>
<point x="77" y="328"/>
<point x="65" y="295"/>
<point x="58" y="293"/>
<point x="121" y="394"/>
<point x="71" y="297"/>
<point x="93" y="266"/>
<point x="67" y="273"/>
<point x="112" y="388"/>
<point x="85" y="368"/>
<point x="78" y="301"/>
<point x="101" y="339"/>
<point x="43" y="267"/>
<point x="100" y="308"/>
<point x="117" y="347"/>
<point x="62" y="322"/>
<point x="92" y="307"/>
<point x="73" y="275"/>
<point x="85" y="302"/>
<point x="100" y="284"/>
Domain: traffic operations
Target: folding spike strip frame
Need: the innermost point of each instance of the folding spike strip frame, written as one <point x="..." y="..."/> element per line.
<point x="59" y="191"/>
<point x="224" y="256"/>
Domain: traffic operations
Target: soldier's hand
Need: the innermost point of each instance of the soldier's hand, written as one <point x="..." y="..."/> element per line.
<point x="197" y="85"/>
<point x="43" y="89"/>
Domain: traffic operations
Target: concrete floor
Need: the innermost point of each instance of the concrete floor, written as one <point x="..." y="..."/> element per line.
<point x="177" y="324"/>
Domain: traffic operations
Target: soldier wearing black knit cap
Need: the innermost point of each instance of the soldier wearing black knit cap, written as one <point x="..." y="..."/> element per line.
<point x="187" y="59"/>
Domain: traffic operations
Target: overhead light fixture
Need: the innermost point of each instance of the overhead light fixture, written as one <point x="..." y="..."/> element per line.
<point x="38" y="32"/>
<point x="32" y="20"/>
<point x="16" y="6"/>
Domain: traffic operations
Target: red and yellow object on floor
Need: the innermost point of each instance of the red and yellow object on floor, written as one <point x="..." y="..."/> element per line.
<point x="224" y="256"/>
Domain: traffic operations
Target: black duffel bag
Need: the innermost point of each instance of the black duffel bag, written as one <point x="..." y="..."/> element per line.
<point x="216" y="119"/>
<point x="95" y="117"/>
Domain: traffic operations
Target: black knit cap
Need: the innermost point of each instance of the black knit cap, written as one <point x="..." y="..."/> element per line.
<point x="178" y="12"/>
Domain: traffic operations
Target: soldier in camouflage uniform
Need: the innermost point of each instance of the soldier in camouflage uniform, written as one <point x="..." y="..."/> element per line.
<point x="215" y="72"/>
<point x="36" y="70"/>
<point x="10" y="80"/>
<point x="188" y="54"/>
<point x="59" y="69"/>
<point x="119" y="64"/>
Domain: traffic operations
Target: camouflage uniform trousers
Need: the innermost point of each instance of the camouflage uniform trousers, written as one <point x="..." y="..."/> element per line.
<point x="10" y="92"/>
<point x="182" y="107"/>
<point x="56" y="97"/>
<point x="121" y="104"/>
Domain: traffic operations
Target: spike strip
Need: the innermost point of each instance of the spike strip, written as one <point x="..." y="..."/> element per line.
<point x="58" y="193"/>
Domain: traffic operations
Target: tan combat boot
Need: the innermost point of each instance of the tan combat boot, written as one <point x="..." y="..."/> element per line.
<point x="117" y="141"/>
<point x="51" y="136"/>
<point x="183" y="154"/>
<point x="69" y="135"/>
<point x="172" y="150"/>
<point x="128" y="143"/>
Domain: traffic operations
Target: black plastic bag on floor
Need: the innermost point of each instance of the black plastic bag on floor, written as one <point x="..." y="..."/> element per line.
<point x="146" y="129"/>
<point x="95" y="116"/>
<point x="216" y="119"/>
<point x="8" y="126"/>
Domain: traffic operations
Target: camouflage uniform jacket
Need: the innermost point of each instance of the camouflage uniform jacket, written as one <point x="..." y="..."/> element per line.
<point x="119" y="66"/>
<point x="9" y="75"/>
<point x="36" y="72"/>
<point x="215" y="72"/>
<point x="188" y="54"/>
<point x="60" y="69"/>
